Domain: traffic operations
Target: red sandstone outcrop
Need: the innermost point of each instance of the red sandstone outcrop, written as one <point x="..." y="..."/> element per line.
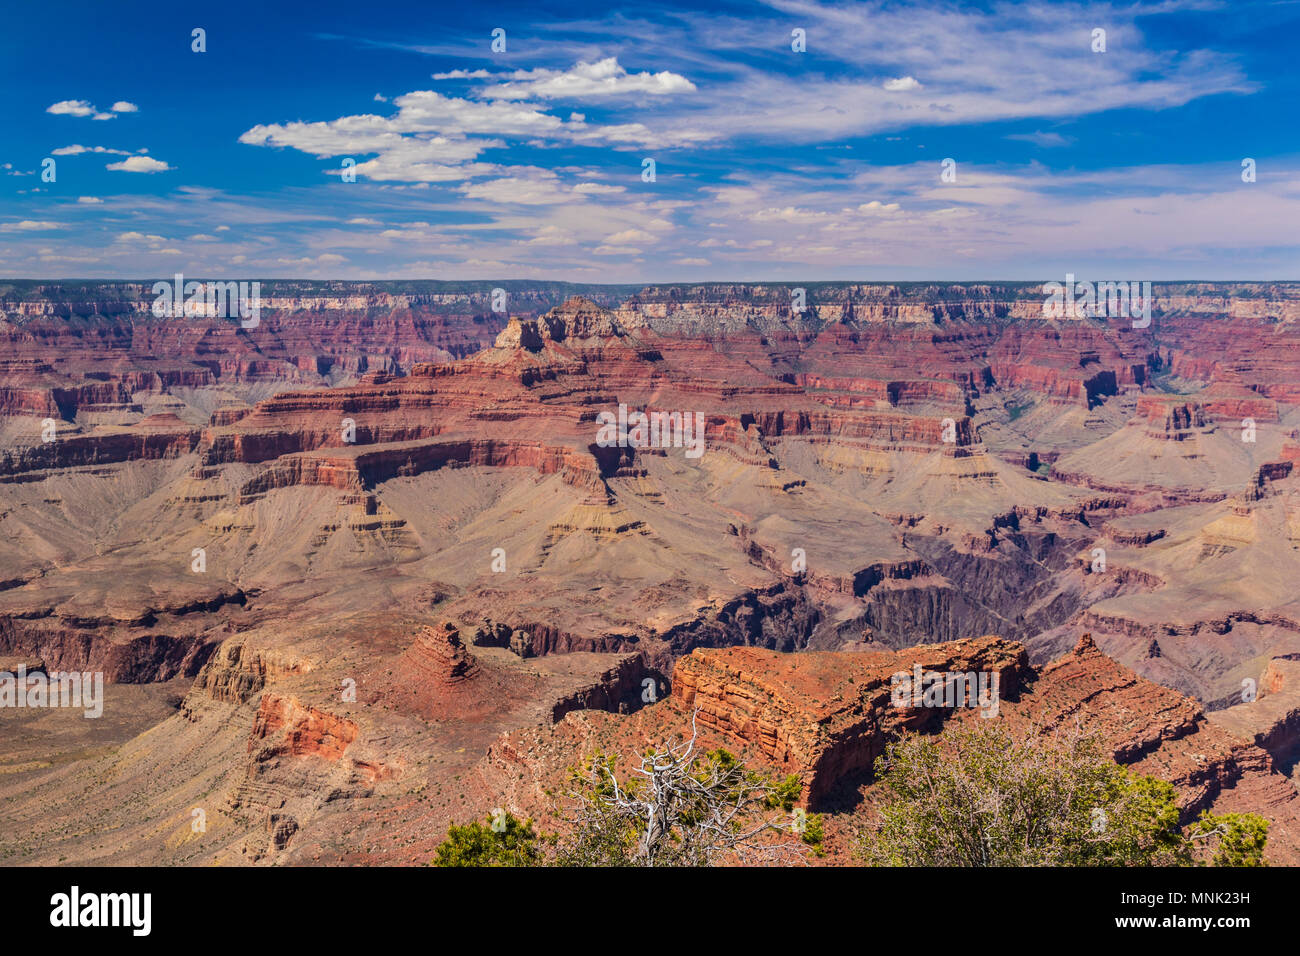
<point x="440" y="657"/>
<point x="826" y="716"/>
<point x="285" y="727"/>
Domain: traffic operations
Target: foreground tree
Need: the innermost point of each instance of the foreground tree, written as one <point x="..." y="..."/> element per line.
<point x="684" y="807"/>
<point x="1232" y="839"/>
<point x="504" y="841"/>
<point x="983" y="797"/>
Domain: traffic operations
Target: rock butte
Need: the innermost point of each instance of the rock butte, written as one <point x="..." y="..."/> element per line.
<point x="436" y="617"/>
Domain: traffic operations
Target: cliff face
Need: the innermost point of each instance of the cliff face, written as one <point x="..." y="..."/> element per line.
<point x="937" y="429"/>
<point x="826" y="716"/>
<point x="1272" y="720"/>
<point x="349" y="490"/>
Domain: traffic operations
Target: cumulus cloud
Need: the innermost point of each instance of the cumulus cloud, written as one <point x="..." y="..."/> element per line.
<point x="139" y="164"/>
<point x="448" y="121"/>
<point x="902" y="84"/>
<point x="585" y="81"/>
<point x="435" y="138"/>
<point x="72" y="108"/>
<point x="85" y="108"/>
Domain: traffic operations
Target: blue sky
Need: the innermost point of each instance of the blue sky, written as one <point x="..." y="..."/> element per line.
<point x="770" y="164"/>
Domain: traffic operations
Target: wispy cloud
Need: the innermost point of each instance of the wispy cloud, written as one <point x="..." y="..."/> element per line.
<point x="770" y="162"/>
<point x="1039" y="138"/>
<point x="29" y="225"/>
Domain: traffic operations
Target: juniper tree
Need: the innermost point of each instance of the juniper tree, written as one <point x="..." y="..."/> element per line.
<point x="680" y="806"/>
<point x="982" y="796"/>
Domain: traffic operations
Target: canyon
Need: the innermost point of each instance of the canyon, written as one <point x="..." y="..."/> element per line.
<point x="368" y="569"/>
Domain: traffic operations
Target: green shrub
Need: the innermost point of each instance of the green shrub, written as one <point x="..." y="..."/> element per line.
<point x="513" y="844"/>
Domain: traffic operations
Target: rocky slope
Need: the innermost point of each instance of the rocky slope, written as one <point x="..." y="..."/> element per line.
<point x="826" y="717"/>
<point x="389" y="524"/>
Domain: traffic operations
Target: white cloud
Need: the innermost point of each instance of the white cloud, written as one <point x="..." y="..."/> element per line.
<point x="89" y="200"/>
<point x="628" y="235"/>
<point x="902" y="84"/>
<point x="29" y="225"/>
<point x="72" y="108"/>
<point x="982" y="64"/>
<point x="448" y="119"/>
<point x="1047" y="140"/>
<point x="587" y="80"/>
<point x="404" y="165"/>
<point x="790" y="214"/>
<point x="598" y="189"/>
<point x="86" y="108"/>
<point x="552" y="236"/>
<point x="139" y="164"/>
<point x="77" y="149"/>
<point x="81" y="260"/>
<point x="463" y="75"/>
<point x="434" y="138"/>
<point x="535" y="191"/>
